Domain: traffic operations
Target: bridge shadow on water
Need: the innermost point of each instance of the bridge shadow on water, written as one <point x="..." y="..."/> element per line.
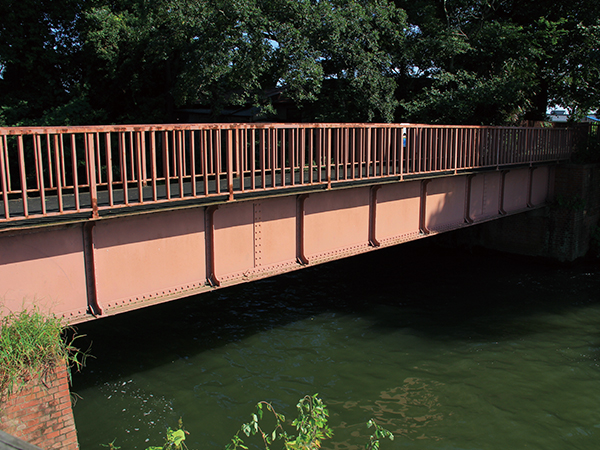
<point x="435" y="292"/>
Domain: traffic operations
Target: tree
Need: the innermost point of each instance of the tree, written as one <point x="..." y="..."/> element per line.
<point x="39" y="66"/>
<point x="499" y="61"/>
<point x="436" y="61"/>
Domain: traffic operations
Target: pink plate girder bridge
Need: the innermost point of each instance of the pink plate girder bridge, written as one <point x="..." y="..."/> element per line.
<point x="102" y="219"/>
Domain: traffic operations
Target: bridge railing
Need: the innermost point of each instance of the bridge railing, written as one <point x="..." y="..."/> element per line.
<point x="50" y="171"/>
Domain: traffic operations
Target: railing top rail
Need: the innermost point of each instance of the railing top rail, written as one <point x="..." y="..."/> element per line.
<point x="226" y="126"/>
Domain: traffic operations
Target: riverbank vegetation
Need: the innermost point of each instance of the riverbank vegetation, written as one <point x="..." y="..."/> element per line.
<point x="311" y="429"/>
<point x="73" y="62"/>
<point x="32" y="344"/>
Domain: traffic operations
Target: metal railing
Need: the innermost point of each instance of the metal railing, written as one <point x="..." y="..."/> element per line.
<point x="50" y="171"/>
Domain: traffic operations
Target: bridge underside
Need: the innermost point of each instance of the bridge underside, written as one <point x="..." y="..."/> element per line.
<point x="101" y="267"/>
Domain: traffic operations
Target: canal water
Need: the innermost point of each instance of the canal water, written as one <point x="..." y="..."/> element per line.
<point x="446" y="348"/>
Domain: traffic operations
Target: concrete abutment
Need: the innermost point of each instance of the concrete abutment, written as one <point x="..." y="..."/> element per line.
<point x="563" y="230"/>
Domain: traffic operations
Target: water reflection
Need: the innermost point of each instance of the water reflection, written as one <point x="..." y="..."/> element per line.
<point x="496" y="352"/>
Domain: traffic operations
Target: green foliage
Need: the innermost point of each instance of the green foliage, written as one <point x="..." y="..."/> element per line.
<point x="31" y="345"/>
<point x="378" y="434"/>
<point x="72" y="62"/>
<point x="481" y="62"/>
<point x="311" y="427"/>
<point x="174" y="439"/>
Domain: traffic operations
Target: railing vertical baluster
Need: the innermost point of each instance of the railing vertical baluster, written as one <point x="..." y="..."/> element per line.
<point x="370" y="158"/>
<point x="49" y="156"/>
<point x="153" y="164"/>
<point x="75" y="175"/>
<point x="4" y="176"/>
<point x="381" y="151"/>
<point x="92" y="174"/>
<point x="402" y="153"/>
<point x="293" y="146"/>
<point x="123" y="165"/>
<point x="454" y="154"/>
<point x="360" y="140"/>
<point x="138" y="153"/>
<point x="328" y="156"/>
<point x="144" y="161"/>
<point x="319" y="155"/>
<point x="242" y="152"/>
<point x="109" y="169"/>
<point x="7" y="160"/>
<point x="40" y="172"/>
<point x="252" y="157"/>
<point x="393" y="160"/>
<point x="230" y="157"/>
<point x="179" y="144"/>
<point x="311" y="155"/>
<point x="131" y="156"/>
<point x="302" y="153"/>
<point x="62" y="161"/>
<point x="263" y="149"/>
<point x="217" y="149"/>
<point x="98" y="158"/>
<point x="167" y="162"/>
<point x="336" y="149"/>
<point x="273" y="148"/>
<point x="193" y="163"/>
<point x="419" y="151"/>
<point x="204" y="149"/>
<point x="283" y="154"/>
<point x="57" y="171"/>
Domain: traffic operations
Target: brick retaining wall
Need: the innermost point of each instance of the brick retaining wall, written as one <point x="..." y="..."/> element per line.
<point x="41" y="413"/>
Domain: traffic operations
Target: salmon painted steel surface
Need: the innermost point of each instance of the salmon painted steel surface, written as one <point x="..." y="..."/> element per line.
<point x="154" y="213"/>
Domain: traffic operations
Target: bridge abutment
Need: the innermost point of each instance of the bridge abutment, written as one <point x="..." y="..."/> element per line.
<point x="41" y="413"/>
<point x="563" y="230"/>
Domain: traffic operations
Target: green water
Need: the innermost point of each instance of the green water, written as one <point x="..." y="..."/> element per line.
<point x="449" y="349"/>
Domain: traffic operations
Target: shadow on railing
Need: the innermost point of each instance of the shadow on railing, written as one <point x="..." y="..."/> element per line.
<point x="48" y="171"/>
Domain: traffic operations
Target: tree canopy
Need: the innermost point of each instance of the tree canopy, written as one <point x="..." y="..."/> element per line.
<point x="433" y="61"/>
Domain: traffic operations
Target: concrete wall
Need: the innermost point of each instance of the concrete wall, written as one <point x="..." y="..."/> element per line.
<point x="562" y="230"/>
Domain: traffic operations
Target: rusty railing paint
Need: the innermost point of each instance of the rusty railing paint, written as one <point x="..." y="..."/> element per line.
<point x="97" y="168"/>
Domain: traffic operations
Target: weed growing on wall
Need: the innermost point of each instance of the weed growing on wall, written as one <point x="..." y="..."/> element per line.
<point x="31" y="345"/>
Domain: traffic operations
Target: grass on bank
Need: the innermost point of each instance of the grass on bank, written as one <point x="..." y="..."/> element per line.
<point x="32" y="344"/>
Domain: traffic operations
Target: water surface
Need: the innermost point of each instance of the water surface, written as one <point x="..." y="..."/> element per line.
<point x="449" y="349"/>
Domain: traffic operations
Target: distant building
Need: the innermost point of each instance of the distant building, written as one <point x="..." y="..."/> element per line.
<point x="562" y="116"/>
<point x="558" y="116"/>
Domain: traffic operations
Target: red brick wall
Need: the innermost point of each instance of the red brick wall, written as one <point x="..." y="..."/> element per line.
<point x="42" y="414"/>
